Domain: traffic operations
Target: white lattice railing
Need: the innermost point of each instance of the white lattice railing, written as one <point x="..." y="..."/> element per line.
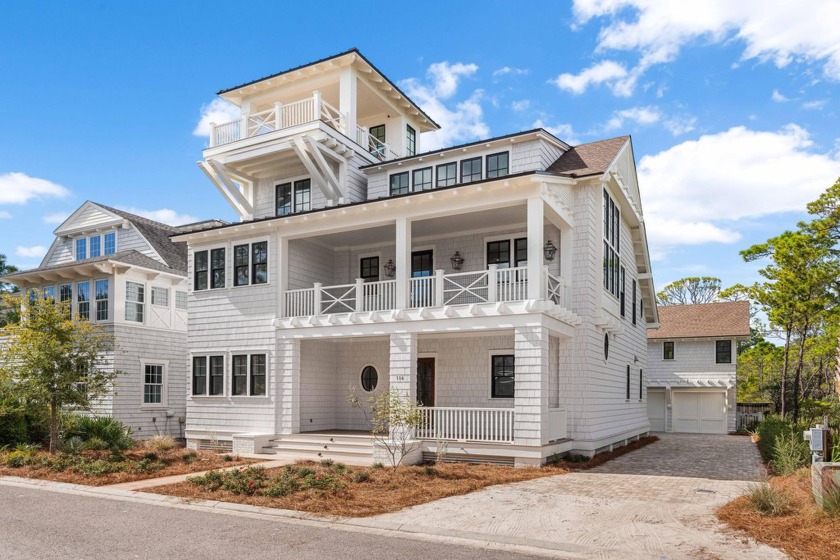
<point x="335" y="299"/>
<point x="556" y="424"/>
<point x="555" y="287"/>
<point x="466" y="287"/>
<point x="493" y="425"/>
<point x="373" y="145"/>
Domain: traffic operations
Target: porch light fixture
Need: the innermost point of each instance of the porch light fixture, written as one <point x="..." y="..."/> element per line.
<point x="549" y="250"/>
<point x="390" y="268"/>
<point x="457" y="261"/>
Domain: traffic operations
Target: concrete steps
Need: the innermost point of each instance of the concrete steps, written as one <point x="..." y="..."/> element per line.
<point x="345" y="448"/>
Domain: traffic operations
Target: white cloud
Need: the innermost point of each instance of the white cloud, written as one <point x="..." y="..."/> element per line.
<point x="5" y="215"/>
<point x="639" y="115"/>
<point x="563" y="131"/>
<point x="31" y="252"/>
<point x="680" y="125"/>
<point x="19" y="188"/>
<point x="780" y="32"/>
<point x="778" y="97"/>
<point x="615" y="75"/>
<point x="217" y="111"/>
<point x="815" y="105"/>
<point x="55" y="218"/>
<point x="696" y="191"/>
<point x="459" y="123"/>
<point x="164" y="215"/>
<point x="507" y="70"/>
<point x="521" y="105"/>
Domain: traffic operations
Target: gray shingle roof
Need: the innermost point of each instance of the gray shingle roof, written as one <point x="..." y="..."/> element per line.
<point x="727" y="318"/>
<point x="588" y="159"/>
<point x="157" y="234"/>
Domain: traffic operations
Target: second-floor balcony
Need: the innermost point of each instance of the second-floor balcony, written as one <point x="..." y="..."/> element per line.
<point x="493" y="285"/>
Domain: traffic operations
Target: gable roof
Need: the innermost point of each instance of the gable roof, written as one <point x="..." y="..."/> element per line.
<point x="588" y="159"/>
<point x="723" y="319"/>
<point x="157" y="234"/>
<point x="130" y="257"/>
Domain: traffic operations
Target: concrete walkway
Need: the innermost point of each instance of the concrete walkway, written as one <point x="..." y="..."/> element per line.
<point x="656" y="502"/>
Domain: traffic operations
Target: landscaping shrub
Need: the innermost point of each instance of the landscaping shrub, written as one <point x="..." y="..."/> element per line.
<point x="250" y="481"/>
<point x="361" y="476"/>
<point x="831" y="501"/>
<point x="72" y="445"/>
<point x="768" y="500"/>
<point x="22" y="422"/>
<point x="161" y="444"/>
<point x="281" y="486"/>
<point x="378" y="465"/>
<point x="790" y="452"/>
<point x="189" y="456"/>
<point x="106" y="432"/>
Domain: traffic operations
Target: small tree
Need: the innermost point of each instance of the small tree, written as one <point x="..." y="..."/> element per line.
<point x="54" y="360"/>
<point x="393" y="419"/>
<point x="694" y="289"/>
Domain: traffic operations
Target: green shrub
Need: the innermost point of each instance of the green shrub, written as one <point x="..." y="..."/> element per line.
<point x="189" y="456"/>
<point x="378" y="465"/>
<point x="17" y="459"/>
<point x="768" y="500"/>
<point x="227" y="458"/>
<point x="22" y="422"/>
<point x="831" y="501"/>
<point x="161" y="444"/>
<point x="325" y="482"/>
<point x="113" y="433"/>
<point x="95" y="444"/>
<point x="282" y="485"/>
<point x="146" y="464"/>
<point x="150" y="456"/>
<point x="98" y="467"/>
<point x="248" y="480"/>
<point x="361" y="476"/>
<point x="429" y="470"/>
<point x="790" y="453"/>
<point x="327" y="462"/>
<point x="210" y="481"/>
<point x="303" y="472"/>
<point x="340" y="468"/>
<point x="72" y="445"/>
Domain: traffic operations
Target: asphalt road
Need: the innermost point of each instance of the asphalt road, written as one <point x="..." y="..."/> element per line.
<point x="39" y="524"/>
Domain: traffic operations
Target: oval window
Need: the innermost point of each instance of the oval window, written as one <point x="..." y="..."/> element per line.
<point x="607" y="346"/>
<point x="369" y="378"/>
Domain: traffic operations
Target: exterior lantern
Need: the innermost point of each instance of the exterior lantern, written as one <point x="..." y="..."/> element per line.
<point x="390" y="268"/>
<point x="549" y="250"/>
<point x="457" y="260"/>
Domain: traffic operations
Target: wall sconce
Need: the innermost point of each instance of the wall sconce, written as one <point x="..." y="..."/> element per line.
<point x="390" y="268"/>
<point x="457" y="260"/>
<point x="549" y="250"/>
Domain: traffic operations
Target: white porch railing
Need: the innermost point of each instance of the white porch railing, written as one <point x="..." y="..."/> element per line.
<point x="278" y="117"/>
<point x="373" y="145"/>
<point x="556" y="424"/>
<point x="461" y="288"/>
<point x="493" y="425"/>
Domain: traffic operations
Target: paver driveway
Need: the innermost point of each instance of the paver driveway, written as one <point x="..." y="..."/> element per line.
<point x="656" y="502"/>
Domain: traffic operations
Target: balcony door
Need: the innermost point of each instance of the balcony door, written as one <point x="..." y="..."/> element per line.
<point x="422" y="266"/>
<point x="426" y="381"/>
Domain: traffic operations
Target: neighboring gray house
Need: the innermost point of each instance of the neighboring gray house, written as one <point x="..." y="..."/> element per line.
<point x="505" y="284"/>
<point x="691" y="366"/>
<point x="122" y="271"/>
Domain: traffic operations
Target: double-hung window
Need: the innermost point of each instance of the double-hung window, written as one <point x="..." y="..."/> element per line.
<point x="83" y="300"/>
<point x="217" y="268"/>
<point x="208" y="375"/>
<point x="422" y="179"/>
<point x="723" y="351"/>
<point x="503" y="374"/>
<point x="471" y="170"/>
<point x="499" y="253"/>
<point x="101" y="289"/>
<point x="110" y="243"/>
<point x="95" y="246"/>
<point x="668" y="350"/>
<point x="628" y="383"/>
<point x="641" y="384"/>
<point x="497" y="165"/>
<point x="399" y="183"/>
<point x="134" y="300"/>
<point x="248" y="375"/>
<point x="239" y="375"/>
<point x="293" y="197"/>
<point x="633" y="287"/>
<point x="200" y="270"/>
<point x="49" y="292"/>
<point x="81" y="249"/>
<point x="258" y="375"/>
<point x="410" y="141"/>
<point x="65" y="295"/>
<point x="153" y="377"/>
<point x="621" y="291"/>
<point x="369" y="269"/>
<point x="447" y="174"/>
<point x="612" y="261"/>
<point x="250" y="264"/>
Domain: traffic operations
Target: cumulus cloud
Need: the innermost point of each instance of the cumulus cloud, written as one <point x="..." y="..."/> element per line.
<point x="639" y="115"/>
<point x="31" y="252"/>
<point x="679" y="125"/>
<point x="20" y="188"/>
<point x="5" y="215"/>
<point x="507" y="70"/>
<point x="460" y="121"/>
<point x="815" y="105"/>
<point x="521" y="105"/>
<point x="696" y="191"/>
<point x="778" y="97"/>
<point x="164" y="215"/>
<point x="56" y="217"/>
<point x="563" y="131"/>
<point x="608" y="72"/>
<point x="657" y="30"/>
<point x="217" y="111"/>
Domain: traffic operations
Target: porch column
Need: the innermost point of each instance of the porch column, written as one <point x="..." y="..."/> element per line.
<point x="403" y="364"/>
<point x="403" y="262"/>
<point x="530" y="385"/>
<point x="536" y="240"/>
<point x="281" y="270"/>
<point x="347" y="97"/>
<point x="288" y="381"/>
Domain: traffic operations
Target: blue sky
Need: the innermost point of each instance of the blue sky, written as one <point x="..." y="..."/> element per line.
<point x="733" y="106"/>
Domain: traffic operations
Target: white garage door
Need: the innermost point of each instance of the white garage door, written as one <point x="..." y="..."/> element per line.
<point x="656" y="410"/>
<point x="699" y="412"/>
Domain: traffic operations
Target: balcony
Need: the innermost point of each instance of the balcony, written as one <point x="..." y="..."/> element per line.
<point x="493" y="285"/>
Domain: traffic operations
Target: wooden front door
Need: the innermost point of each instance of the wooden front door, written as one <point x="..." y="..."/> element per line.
<point x="426" y="381"/>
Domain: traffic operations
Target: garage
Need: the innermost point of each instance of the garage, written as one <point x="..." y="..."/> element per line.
<point x="656" y="409"/>
<point x="699" y="412"/>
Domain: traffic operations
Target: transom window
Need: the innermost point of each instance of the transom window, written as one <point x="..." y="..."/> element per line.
<point x="399" y="183"/>
<point x="497" y="165"/>
<point x="181" y="300"/>
<point x="471" y="170"/>
<point x="410" y="141"/>
<point x="668" y="350"/>
<point x="503" y="373"/>
<point x="101" y="300"/>
<point x="723" y="352"/>
<point x="612" y="261"/>
<point x="250" y="264"/>
<point x="134" y="299"/>
<point x="447" y="174"/>
<point x="423" y="179"/>
<point x="369" y="379"/>
<point x="83" y="300"/>
<point x="294" y="197"/>
<point x="208" y="375"/>
<point x="153" y="384"/>
<point x="217" y="268"/>
<point x="160" y="297"/>
<point x="369" y="269"/>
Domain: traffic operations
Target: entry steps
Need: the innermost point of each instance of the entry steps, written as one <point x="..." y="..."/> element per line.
<point x="352" y="449"/>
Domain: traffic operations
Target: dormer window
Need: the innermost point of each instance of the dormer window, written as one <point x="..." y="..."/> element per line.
<point x="497" y="165"/>
<point x="92" y="246"/>
<point x="294" y="197"/>
<point x="81" y="249"/>
<point x="110" y="243"/>
<point x="95" y="246"/>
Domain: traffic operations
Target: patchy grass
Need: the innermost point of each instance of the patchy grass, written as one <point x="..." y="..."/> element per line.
<point x="802" y="530"/>
<point x="581" y="462"/>
<point x="100" y="468"/>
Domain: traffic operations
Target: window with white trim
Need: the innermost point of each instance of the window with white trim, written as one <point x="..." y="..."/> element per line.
<point x="628" y="383"/>
<point x="101" y="293"/>
<point x="181" y="300"/>
<point x="153" y="384"/>
<point x="49" y="292"/>
<point x="293" y="197"/>
<point x="723" y="351"/>
<point x="612" y="260"/>
<point x="160" y="297"/>
<point x="81" y="249"/>
<point x="250" y="264"/>
<point x="621" y="291"/>
<point x="65" y="295"/>
<point x="257" y="378"/>
<point x="134" y="302"/>
<point x="83" y="300"/>
<point x="217" y="268"/>
<point x="201" y="267"/>
<point x="410" y="141"/>
<point x="110" y="243"/>
<point x="95" y="243"/>
<point x="503" y="373"/>
<point x="668" y="350"/>
<point x="208" y="375"/>
<point x="633" y="287"/>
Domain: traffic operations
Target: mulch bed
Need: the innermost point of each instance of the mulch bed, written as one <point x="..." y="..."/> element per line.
<point x="386" y="490"/>
<point x="136" y="465"/>
<point x="805" y="533"/>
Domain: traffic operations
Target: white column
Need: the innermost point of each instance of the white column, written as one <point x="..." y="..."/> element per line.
<point x="347" y="100"/>
<point x="288" y="382"/>
<point x="403" y="364"/>
<point x="536" y="240"/>
<point x="531" y="385"/>
<point x="281" y="272"/>
<point x="403" y="261"/>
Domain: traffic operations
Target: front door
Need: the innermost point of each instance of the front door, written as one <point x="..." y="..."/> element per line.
<point x="426" y="381"/>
